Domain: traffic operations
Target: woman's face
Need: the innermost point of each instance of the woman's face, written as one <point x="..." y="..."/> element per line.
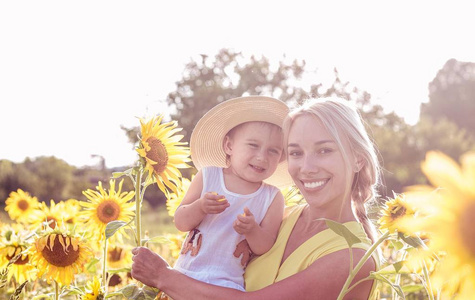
<point x="316" y="163"/>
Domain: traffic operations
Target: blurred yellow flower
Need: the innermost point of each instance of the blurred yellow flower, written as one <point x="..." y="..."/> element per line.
<point x="174" y="199"/>
<point x="119" y="257"/>
<point x="45" y="215"/>
<point x="292" y="196"/>
<point x="59" y="256"/>
<point x="20" y="205"/>
<point x="162" y="154"/>
<point x="14" y="244"/>
<point x="450" y="215"/>
<point x="394" y="211"/>
<point x="93" y="290"/>
<point x="104" y="207"/>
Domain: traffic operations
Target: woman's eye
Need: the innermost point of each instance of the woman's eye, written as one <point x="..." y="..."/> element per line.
<point x="294" y="153"/>
<point x="325" y="151"/>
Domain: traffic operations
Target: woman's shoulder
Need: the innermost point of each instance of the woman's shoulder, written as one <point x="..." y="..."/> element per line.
<point x="293" y="210"/>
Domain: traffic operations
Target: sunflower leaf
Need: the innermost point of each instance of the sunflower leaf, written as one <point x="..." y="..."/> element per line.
<point x="18" y="291"/>
<point x="115" y="271"/>
<point x="341" y="230"/>
<point x="113" y="226"/>
<point x="413" y="241"/>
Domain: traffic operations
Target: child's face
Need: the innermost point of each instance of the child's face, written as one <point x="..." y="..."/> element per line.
<point x="255" y="149"/>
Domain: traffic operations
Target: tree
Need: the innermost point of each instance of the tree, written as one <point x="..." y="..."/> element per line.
<point x="452" y="95"/>
<point x="207" y="82"/>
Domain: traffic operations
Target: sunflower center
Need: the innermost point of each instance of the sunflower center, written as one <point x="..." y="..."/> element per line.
<point x="115" y="254"/>
<point x="51" y="221"/>
<point x="60" y="254"/>
<point x="158" y="153"/>
<point x="108" y="211"/>
<point x="17" y="250"/>
<point x="467" y="230"/>
<point x="397" y="212"/>
<point x="23" y="204"/>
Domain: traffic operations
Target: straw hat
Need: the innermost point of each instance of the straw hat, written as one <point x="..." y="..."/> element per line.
<point x="206" y="141"/>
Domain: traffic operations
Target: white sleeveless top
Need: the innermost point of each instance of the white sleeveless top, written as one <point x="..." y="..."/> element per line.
<point x="210" y="253"/>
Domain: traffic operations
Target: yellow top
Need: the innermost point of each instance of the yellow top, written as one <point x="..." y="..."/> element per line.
<point x="266" y="269"/>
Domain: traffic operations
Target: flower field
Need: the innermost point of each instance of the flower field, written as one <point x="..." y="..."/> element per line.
<point x="71" y="249"/>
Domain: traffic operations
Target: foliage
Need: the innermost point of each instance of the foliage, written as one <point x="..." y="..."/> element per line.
<point x="452" y="95"/>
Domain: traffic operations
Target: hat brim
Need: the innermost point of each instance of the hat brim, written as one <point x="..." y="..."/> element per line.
<point x="206" y="141"/>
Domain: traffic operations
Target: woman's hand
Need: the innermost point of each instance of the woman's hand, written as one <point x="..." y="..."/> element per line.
<point x="147" y="266"/>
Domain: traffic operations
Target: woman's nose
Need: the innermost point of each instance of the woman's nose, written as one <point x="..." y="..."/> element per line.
<point x="308" y="165"/>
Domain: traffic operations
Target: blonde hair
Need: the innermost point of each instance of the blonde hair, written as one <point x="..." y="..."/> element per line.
<point x="343" y="122"/>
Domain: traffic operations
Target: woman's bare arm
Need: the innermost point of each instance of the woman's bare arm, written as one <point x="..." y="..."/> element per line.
<point x="321" y="280"/>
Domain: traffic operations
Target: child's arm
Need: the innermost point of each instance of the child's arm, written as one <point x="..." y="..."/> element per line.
<point x="193" y="209"/>
<point x="261" y="237"/>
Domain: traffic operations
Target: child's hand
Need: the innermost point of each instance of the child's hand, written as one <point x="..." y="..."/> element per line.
<point x="212" y="203"/>
<point x="245" y="223"/>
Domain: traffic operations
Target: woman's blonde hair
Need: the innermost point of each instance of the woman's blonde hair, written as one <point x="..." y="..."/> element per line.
<point x="343" y="121"/>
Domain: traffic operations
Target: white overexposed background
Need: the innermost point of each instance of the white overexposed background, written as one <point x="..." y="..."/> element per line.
<point x="73" y="72"/>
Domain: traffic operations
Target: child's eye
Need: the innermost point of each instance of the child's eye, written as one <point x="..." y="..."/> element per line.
<point x="274" y="151"/>
<point x="253" y="145"/>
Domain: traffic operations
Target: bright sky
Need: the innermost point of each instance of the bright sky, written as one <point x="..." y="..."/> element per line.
<point x="72" y="72"/>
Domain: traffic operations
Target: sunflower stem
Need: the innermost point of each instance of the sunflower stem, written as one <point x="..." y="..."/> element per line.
<point x="104" y="266"/>
<point x="428" y="284"/>
<point x="138" y="208"/>
<point x="360" y="264"/>
<point x="56" y="290"/>
<point x="397" y="280"/>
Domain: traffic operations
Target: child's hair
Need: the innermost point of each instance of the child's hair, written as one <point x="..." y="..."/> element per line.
<point x="231" y="133"/>
<point x="343" y="121"/>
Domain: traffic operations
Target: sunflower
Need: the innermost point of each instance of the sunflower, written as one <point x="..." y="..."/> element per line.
<point x="176" y="243"/>
<point x="45" y="215"/>
<point x="393" y="212"/>
<point x="104" y="207"/>
<point x="70" y="211"/>
<point x="174" y="199"/>
<point x="292" y="196"/>
<point x="162" y="154"/>
<point x="119" y="257"/>
<point x="14" y="244"/>
<point x="20" y="205"/>
<point x="93" y="290"/>
<point x="450" y="211"/>
<point x="59" y="255"/>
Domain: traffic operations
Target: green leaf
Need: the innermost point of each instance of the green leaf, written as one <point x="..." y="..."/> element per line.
<point x="398" y="265"/>
<point x="395" y="287"/>
<point x="91" y="265"/>
<point x="150" y="292"/>
<point x="115" y="271"/>
<point x="341" y="230"/>
<point x="113" y="226"/>
<point x="130" y="291"/>
<point x="18" y="291"/>
<point x="413" y="241"/>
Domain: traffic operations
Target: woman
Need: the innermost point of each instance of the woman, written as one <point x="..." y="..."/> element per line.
<point x="333" y="163"/>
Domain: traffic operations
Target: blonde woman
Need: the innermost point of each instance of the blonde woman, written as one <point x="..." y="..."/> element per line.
<point x="333" y="162"/>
